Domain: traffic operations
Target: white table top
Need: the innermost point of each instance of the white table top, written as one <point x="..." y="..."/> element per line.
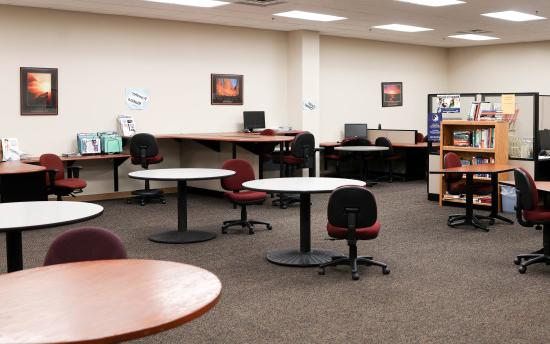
<point x="361" y="148"/>
<point x="181" y="174"/>
<point x="300" y="184"/>
<point x="34" y="215"/>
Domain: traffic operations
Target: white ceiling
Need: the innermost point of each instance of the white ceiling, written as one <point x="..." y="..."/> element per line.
<point x="362" y="14"/>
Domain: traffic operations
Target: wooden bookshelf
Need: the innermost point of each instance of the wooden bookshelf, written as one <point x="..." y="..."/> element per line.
<point x="499" y="152"/>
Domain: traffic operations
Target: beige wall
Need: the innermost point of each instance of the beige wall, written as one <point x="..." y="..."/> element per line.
<point x="98" y="56"/>
<point x="351" y="74"/>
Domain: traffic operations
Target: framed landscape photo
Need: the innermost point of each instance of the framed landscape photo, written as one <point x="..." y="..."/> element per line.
<point x="392" y="94"/>
<point x="226" y="89"/>
<point x="38" y="91"/>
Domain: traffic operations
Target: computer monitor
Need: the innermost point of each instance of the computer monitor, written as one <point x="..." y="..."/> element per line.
<point x="544" y="139"/>
<point x="253" y="120"/>
<point x="355" y="130"/>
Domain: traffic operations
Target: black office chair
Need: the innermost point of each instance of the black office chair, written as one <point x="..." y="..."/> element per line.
<point x="529" y="213"/>
<point x="389" y="156"/>
<point x="352" y="215"/>
<point x="302" y="155"/>
<point x="144" y="151"/>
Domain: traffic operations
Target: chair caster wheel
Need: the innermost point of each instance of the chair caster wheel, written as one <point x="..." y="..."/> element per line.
<point x="386" y="271"/>
<point x="522" y="269"/>
<point x="269" y="227"/>
<point x="355" y="276"/>
<point x="517" y="261"/>
<point x="163" y="201"/>
<point x="492" y="222"/>
<point x="321" y="271"/>
<point x="224" y="231"/>
<point x="142" y="203"/>
<point x="128" y="201"/>
<point x="283" y="207"/>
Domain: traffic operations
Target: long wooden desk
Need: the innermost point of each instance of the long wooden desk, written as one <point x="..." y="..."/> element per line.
<point x="22" y="182"/>
<point x="118" y="159"/>
<point x="396" y="144"/>
<point x="249" y="141"/>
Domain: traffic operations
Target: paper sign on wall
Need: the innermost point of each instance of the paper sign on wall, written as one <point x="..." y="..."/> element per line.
<point x="508" y="104"/>
<point x="137" y="98"/>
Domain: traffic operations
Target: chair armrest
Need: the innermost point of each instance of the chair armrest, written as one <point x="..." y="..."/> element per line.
<point x="73" y="171"/>
<point x="51" y="176"/>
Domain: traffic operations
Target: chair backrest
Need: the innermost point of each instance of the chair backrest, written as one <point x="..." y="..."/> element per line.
<point x="384" y="142"/>
<point x="268" y="132"/>
<point x="244" y="173"/>
<point x="143" y="143"/>
<point x="53" y="162"/>
<point x="451" y="160"/>
<point x="348" y="199"/>
<point x="528" y="196"/>
<point x="355" y="141"/>
<point x="303" y="147"/>
<point x="83" y="244"/>
<point x="419" y="137"/>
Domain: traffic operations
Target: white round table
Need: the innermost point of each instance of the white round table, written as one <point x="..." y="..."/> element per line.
<point x="363" y="150"/>
<point x="305" y="256"/>
<point x="23" y="216"/>
<point x="181" y="175"/>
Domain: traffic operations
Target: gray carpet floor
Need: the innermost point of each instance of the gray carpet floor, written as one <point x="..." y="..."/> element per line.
<point x="446" y="285"/>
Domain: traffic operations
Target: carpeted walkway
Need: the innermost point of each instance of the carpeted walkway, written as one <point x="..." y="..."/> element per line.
<point x="446" y="285"/>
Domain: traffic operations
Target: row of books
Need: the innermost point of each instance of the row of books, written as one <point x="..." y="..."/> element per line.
<point x="485" y="111"/>
<point x="479" y="160"/>
<point x="478" y="199"/>
<point x="479" y="138"/>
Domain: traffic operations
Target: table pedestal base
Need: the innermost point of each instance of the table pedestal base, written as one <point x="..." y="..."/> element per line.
<point x="474" y="220"/>
<point x="182" y="237"/>
<point x="301" y="259"/>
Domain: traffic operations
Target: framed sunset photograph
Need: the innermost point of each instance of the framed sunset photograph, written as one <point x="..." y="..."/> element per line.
<point x="226" y="89"/>
<point x="392" y="94"/>
<point x="38" y="91"/>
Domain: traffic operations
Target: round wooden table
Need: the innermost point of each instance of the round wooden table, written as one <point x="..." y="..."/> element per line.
<point x="104" y="301"/>
<point x="305" y="256"/>
<point x="181" y="175"/>
<point x="23" y="216"/>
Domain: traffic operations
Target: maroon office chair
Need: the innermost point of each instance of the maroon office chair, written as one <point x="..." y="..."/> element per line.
<point x="456" y="185"/>
<point x="339" y="157"/>
<point x="84" y="244"/>
<point x="234" y="184"/>
<point x="56" y="183"/>
<point x="352" y="215"/>
<point x="419" y="137"/>
<point x="529" y="213"/>
<point x="389" y="156"/>
<point x="266" y="149"/>
<point x="144" y="151"/>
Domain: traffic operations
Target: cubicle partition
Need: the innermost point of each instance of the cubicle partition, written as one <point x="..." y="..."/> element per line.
<point x="401" y="136"/>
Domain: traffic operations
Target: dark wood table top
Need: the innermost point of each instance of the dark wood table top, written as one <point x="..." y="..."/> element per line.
<point x="482" y="168"/>
<point x="228" y="137"/>
<point x="104" y="301"/>
<point x="543" y="186"/>
<point x="396" y="144"/>
<point x="18" y="167"/>
<point x="35" y="160"/>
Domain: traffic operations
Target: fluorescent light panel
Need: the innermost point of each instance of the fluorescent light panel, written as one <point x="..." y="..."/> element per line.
<point x="309" y="16"/>
<point x="513" y="16"/>
<point x="195" y="3"/>
<point x="402" y="28"/>
<point x="434" y="3"/>
<point x="473" y="37"/>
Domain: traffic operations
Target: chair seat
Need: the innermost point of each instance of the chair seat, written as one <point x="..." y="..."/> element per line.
<point x="334" y="156"/>
<point x="152" y="160"/>
<point x="365" y="233"/>
<point x="539" y="214"/>
<point x="70" y="183"/>
<point x="394" y="157"/>
<point x="479" y="188"/>
<point x="246" y="196"/>
<point x="292" y="160"/>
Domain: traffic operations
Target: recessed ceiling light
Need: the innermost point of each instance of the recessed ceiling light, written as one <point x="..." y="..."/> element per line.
<point x="402" y="28"/>
<point x="309" y="16"/>
<point x="195" y="3"/>
<point x="434" y="3"/>
<point x="513" y="16"/>
<point x="473" y="37"/>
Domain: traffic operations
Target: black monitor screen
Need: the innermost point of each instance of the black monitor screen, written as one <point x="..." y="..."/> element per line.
<point x="544" y="139"/>
<point x="356" y="129"/>
<point x="254" y="119"/>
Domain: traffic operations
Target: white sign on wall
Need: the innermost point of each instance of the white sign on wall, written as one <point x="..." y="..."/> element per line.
<point x="137" y="98"/>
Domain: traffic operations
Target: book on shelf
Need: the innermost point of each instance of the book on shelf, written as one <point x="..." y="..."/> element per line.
<point x="485" y="111"/>
<point x="462" y="138"/>
<point x="479" y="138"/>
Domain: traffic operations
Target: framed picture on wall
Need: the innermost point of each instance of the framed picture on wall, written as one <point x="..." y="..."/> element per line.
<point x="38" y="91"/>
<point x="392" y="94"/>
<point x="226" y="89"/>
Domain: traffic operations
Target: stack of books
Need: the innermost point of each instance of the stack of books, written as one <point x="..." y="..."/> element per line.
<point x="479" y="138"/>
<point x="485" y="111"/>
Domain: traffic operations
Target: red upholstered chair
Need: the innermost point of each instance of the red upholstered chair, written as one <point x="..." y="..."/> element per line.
<point x="388" y="157"/>
<point x="84" y="244"/>
<point x="352" y="215"/>
<point x="419" y="137"/>
<point x="529" y="213"/>
<point x="240" y="197"/>
<point x="144" y="151"/>
<point x="56" y="182"/>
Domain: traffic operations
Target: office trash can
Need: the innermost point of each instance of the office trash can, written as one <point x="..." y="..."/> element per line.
<point x="508" y="194"/>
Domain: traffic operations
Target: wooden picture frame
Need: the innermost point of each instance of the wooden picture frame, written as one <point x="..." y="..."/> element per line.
<point x="226" y="89"/>
<point x="392" y="94"/>
<point x="38" y="91"/>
